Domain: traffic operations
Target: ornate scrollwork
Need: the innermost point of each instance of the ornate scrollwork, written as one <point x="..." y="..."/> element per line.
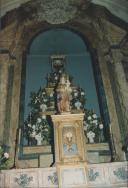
<point x="121" y="173"/>
<point x="58" y="11"/>
<point x="23" y="180"/>
<point x="92" y="175"/>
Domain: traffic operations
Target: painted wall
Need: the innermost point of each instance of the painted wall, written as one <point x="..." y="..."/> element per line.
<point x="60" y="41"/>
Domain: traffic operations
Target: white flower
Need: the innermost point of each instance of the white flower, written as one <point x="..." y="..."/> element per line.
<point x="43" y="107"/>
<point x="82" y="93"/>
<point x="94" y="121"/>
<point x="6" y="155"/>
<point x="46" y="129"/>
<point x="94" y="116"/>
<point x="29" y="125"/>
<point x="89" y="118"/>
<point x="101" y="126"/>
<point x="38" y="136"/>
<point x="78" y="105"/>
<point x="45" y="100"/>
<point x="33" y="126"/>
<point x="36" y="100"/>
<point x="43" y="117"/>
<point x="43" y="93"/>
<point x="56" y="77"/>
<point x="39" y="120"/>
<point x="90" y="134"/>
<point x="33" y="134"/>
<point x="75" y="94"/>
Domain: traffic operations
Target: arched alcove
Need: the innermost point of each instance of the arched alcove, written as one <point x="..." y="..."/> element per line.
<point x="21" y="35"/>
<point x="96" y="66"/>
<point x="79" y="64"/>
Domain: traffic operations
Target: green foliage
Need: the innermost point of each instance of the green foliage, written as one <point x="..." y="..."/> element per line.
<point x="53" y="178"/>
<point x="23" y="180"/>
<point x="78" y="99"/>
<point x="92" y="175"/>
<point x="93" y="124"/>
<point x="38" y="125"/>
<point x="37" y="99"/>
<point x="4" y="159"/>
<point x="121" y="173"/>
<point x="43" y="102"/>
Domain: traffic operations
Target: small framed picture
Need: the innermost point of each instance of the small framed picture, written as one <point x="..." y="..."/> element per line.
<point x="70" y="143"/>
<point x="70" y="147"/>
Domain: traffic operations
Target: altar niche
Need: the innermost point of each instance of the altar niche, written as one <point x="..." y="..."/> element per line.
<point x="75" y="75"/>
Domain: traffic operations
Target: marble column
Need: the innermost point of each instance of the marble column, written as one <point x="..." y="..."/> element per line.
<point x="122" y="85"/>
<point x="10" y="83"/>
<point x="4" y="61"/>
<point x="114" y="124"/>
<point x="15" y="106"/>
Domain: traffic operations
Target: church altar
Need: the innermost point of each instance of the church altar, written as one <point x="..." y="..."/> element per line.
<point x="63" y="103"/>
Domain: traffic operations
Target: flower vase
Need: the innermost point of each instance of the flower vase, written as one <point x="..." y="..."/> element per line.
<point x="39" y="142"/>
<point x="91" y="137"/>
<point x="38" y="139"/>
<point x="91" y="140"/>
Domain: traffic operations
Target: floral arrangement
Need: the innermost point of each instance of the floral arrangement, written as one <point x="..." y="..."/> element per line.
<point x="4" y="159"/>
<point x="37" y="128"/>
<point x="41" y="101"/>
<point x="93" y="127"/>
<point x="78" y="99"/>
<point x="53" y="77"/>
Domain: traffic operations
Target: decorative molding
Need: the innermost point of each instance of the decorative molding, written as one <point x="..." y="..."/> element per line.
<point x="92" y="175"/>
<point x="53" y="179"/>
<point x="8" y="104"/>
<point x="116" y="7"/>
<point x="121" y="173"/>
<point x="58" y="11"/>
<point x="23" y="180"/>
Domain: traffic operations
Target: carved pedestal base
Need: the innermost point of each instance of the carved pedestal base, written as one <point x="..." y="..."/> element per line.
<point x="69" y="138"/>
<point x="70" y="150"/>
